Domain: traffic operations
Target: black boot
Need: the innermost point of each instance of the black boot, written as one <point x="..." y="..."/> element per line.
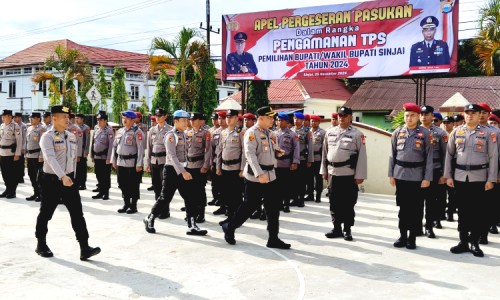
<point x="32" y="197"/>
<point x="449" y="217"/>
<point x="347" y="233"/>
<point x="96" y="190"/>
<point x="476" y="251"/>
<point x="194" y="229"/>
<point x="429" y="232"/>
<point x="133" y="207"/>
<point x="200" y="218"/>
<point x="86" y="251"/>
<point x="494" y="229"/>
<point x="228" y="234"/>
<point x="318" y="197"/>
<point x="105" y="195"/>
<point x="411" y="243"/>
<point x="98" y="196"/>
<point x="438" y="225"/>
<point x="165" y="214"/>
<point x="126" y="205"/>
<point x="220" y="211"/>
<point x="255" y="215"/>
<point x="149" y="222"/>
<point x="463" y="245"/>
<point x="336" y="231"/>
<point x="42" y="249"/>
<point x="263" y="215"/>
<point x="275" y="242"/>
<point x="402" y="240"/>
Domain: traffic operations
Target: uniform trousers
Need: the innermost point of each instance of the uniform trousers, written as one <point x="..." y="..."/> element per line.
<point x="301" y="180"/>
<point x="34" y="169"/>
<point x="492" y="208"/>
<point x="81" y="172"/>
<point x="254" y="192"/>
<point x="410" y="199"/>
<point x="128" y="180"/>
<point x="19" y="165"/>
<point x="472" y="204"/>
<point x="316" y="180"/>
<point x="343" y="197"/>
<point x="283" y="179"/>
<point x="53" y="192"/>
<point x="232" y="193"/>
<point x="9" y="174"/>
<point x="433" y="198"/>
<point x="157" y="178"/>
<point x="196" y="188"/>
<point x="171" y="183"/>
<point x="451" y="206"/>
<point x="216" y="194"/>
<point x="103" y="175"/>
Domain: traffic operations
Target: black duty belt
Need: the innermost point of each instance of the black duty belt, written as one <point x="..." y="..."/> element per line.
<point x="283" y="157"/>
<point x="318" y="152"/>
<point x="472" y="167"/>
<point x="195" y="158"/>
<point x="103" y="152"/>
<point x="8" y="147"/>
<point x="340" y="164"/>
<point x="410" y="164"/>
<point x="159" y="154"/>
<point x="263" y="167"/>
<point x="33" y="151"/>
<point x="127" y="156"/>
<point x="231" y="161"/>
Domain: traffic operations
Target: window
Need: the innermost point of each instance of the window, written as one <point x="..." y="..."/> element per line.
<point x="28" y="70"/>
<point x="133" y="76"/>
<point x="134" y="92"/>
<point x="42" y="86"/>
<point x="109" y="71"/>
<point x="230" y="93"/>
<point x="0" y="86"/>
<point x="218" y="95"/>
<point x="13" y="72"/>
<point x="12" y="89"/>
<point x="110" y="86"/>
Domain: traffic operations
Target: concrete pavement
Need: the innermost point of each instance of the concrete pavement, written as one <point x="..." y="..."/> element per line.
<point x="170" y="264"/>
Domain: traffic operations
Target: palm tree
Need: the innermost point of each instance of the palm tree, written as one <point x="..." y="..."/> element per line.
<point x="62" y="68"/>
<point x="487" y="43"/>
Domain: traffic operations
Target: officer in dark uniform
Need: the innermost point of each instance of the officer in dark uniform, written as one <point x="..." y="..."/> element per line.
<point x="18" y="118"/>
<point x="176" y="177"/>
<point x="306" y="158"/>
<point x="34" y="157"/>
<point x="59" y="151"/>
<point x="411" y="171"/>
<point x="10" y="153"/>
<point x="471" y="167"/>
<point x="318" y="136"/>
<point x="127" y="158"/>
<point x="261" y="180"/>
<point x="240" y="61"/>
<point x="102" y="150"/>
<point x="429" y="52"/>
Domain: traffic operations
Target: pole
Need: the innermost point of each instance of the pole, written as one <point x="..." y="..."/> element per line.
<point x="208" y="26"/>
<point x="243" y="96"/>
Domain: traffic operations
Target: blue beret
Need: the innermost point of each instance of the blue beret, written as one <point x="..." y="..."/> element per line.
<point x="299" y="115"/>
<point x="129" y="114"/>
<point x="438" y="115"/>
<point x="181" y="114"/>
<point x="283" y="116"/>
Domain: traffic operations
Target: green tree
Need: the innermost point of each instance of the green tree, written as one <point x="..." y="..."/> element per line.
<point x="163" y="93"/>
<point x="257" y="95"/>
<point x="487" y="43"/>
<point x="120" y="95"/>
<point x="85" y="107"/>
<point x="206" y="86"/>
<point x="102" y="87"/>
<point x="143" y="108"/>
<point x="467" y="59"/>
<point x="398" y="120"/>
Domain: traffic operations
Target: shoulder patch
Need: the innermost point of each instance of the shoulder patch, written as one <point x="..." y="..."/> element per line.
<point x="139" y="136"/>
<point x="208" y="136"/>
<point x="251" y="137"/>
<point x="363" y="139"/>
<point x="493" y="138"/>
<point x="445" y="138"/>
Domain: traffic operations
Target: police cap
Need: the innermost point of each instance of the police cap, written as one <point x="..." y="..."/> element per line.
<point x="438" y="116"/>
<point x="457" y="118"/>
<point x="231" y="113"/>
<point x="7" y="112"/>
<point x="429" y="22"/>
<point x="101" y="116"/>
<point x="249" y="116"/>
<point x="79" y="115"/>
<point x="59" y="109"/>
<point x="472" y="107"/>
<point x="181" y="114"/>
<point x="214" y="115"/>
<point x="484" y="106"/>
<point x="46" y="114"/>
<point x="299" y="115"/>
<point x="426" y="109"/>
<point x="35" y="115"/>
<point x="283" y="116"/>
<point x="447" y="119"/>
<point x="344" y="110"/>
<point x="240" y="37"/>
<point x="266" y="111"/>
<point x="196" y="116"/>
<point x="160" y="112"/>
<point x="411" y="107"/>
<point x="18" y="114"/>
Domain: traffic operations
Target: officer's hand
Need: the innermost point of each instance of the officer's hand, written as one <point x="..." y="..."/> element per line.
<point x="114" y="166"/>
<point x="66" y="181"/>
<point x="218" y="172"/>
<point x="22" y="152"/>
<point x="40" y="159"/>
<point x="148" y="169"/>
<point x="392" y="181"/>
<point x="138" y="168"/>
<point x="85" y="155"/>
<point x="186" y="175"/>
<point x="359" y="181"/>
<point x="204" y="171"/>
<point x="450" y="183"/>
<point x="244" y="69"/>
<point x="488" y="186"/>
<point x="425" y="184"/>
<point x="293" y="167"/>
<point x="78" y="159"/>
<point x="442" y="180"/>
<point x="241" y="174"/>
<point x="108" y="161"/>
<point x="309" y="164"/>
<point x="16" y="157"/>
<point x="325" y="176"/>
<point x="263" y="178"/>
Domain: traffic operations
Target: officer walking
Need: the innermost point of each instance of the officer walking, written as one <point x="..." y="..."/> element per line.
<point x="18" y="118"/>
<point x="344" y="165"/>
<point x="176" y="177"/>
<point x="81" y="167"/>
<point x="77" y="131"/>
<point x="10" y="153"/>
<point x="127" y="159"/>
<point x="102" y="150"/>
<point x="34" y="157"/>
<point x="411" y="171"/>
<point x="261" y="180"/>
<point x="59" y="151"/>
<point x="318" y="136"/>
<point x="306" y="158"/>
<point x="471" y="167"/>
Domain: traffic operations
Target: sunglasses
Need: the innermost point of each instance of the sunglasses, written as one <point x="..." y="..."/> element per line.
<point x="435" y="120"/>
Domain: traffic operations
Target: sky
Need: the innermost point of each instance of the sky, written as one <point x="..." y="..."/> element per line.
<point x="131" y="24"/>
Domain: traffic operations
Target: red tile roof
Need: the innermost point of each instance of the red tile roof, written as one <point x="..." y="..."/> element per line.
<point x="282" y="92"/>
<point x="332" y="89"/>
<point x="391" y="94"/>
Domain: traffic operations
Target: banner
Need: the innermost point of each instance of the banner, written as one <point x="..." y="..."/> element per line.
<point x="354" y="40"/>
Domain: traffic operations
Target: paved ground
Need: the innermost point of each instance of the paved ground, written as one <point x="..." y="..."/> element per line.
<point x="170" y="264"/>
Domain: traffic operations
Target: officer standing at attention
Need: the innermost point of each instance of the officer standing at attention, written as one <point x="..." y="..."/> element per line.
<point x="248" y="120"/>
<point x="344" y="165"/>
<point x="216" y="180"/>
<point x="261" y="180"/>
<point x="127" y="159"/>
<point x="215" y="121"/>
<point x="10" y="153"/>
<point x="306" y="158"/>
<point x="450" y="207"/>
<point x="429" y="52"/>
<point x="102" y="150"/>
<point x="471" y="167"/>
<point x="81" y="168"/>
<point x="239" y="62"/>
<point x="59" y="153"/>
<point x="18" y="118"/>
<point x="410" y="170"/>
<point x="335" y="119"/>
<point x="435" y="198"/>
<point x="288" y="156"/>
<point x="318" y="137"/>
<point x="47" y="120"/>
<point x="176" y="177"/>
<point x="34" y="157"/>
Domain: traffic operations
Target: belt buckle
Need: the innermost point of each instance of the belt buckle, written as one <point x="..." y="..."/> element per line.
<point x="467" y="168"/>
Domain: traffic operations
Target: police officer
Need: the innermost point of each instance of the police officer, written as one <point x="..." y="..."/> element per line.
<point x="77" y="131"/>
<point x="344" y="165"/>
<point x="155" y="151"/>
<point x="47" y="120"/>
<point x="429" y="52"/>
<point x="10" y="153"/>
<point x="102" y="150"/>
<point x="458" y="120"/>
<point x="248" y="120"/>
<point x="306" y="158"/>
<point x="438" y="119"/>
<point x="176" y="177"/>
<point x="471" y="167"/>
<point x="230" y="164"/>
<point x="239" y="62"/>
<point x="435" y="198"/>
<point x="288" y="158"/>
<point x="216" y="180"/>
<point x="450" y="206"/>
<point x="81" y="167"/>
<point x="318" y="136"/>
<point x="18" y="118"/>
<point x="335" y="119"/>
<point x="215" y="121"/>
<point x="411" y="171"/>
<point x="34" y="157"/>
<point x="199" y="159"/>
<point x="127" y="158"/>
<point x="59" y="151"/>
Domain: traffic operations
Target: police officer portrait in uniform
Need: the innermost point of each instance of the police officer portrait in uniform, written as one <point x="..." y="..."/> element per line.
<point x="127" y="158"/>
<point x="81" y="168"/>
<point x="59" y="150"/>
<point x="260" y="174"/>
<point x="176" y="177"/>
<point x="471" y="167"/>
<point x="18" y="118"/>
<point x="344" y="165"/>
<point x="10" y="153"/>
<point x="411" y="172"/>
<point x="103" y="137"/>
<point x="429" y="52"/>
<point x="240" y="62"/>
<point x="34" y="157"/>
